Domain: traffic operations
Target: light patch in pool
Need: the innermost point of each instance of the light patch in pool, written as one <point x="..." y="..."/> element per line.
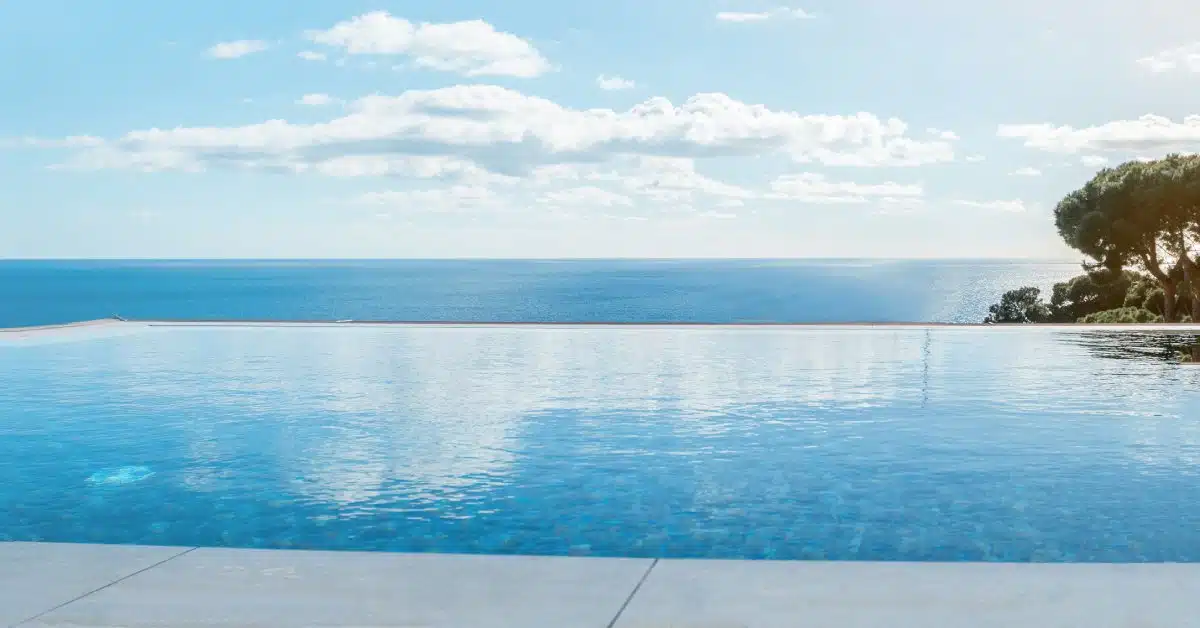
<point x="119" y="476"/>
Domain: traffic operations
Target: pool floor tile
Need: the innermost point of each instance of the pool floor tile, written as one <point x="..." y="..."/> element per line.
<point x="768" y="594"/>
<point x="229" y="587"/>
<point x="37" y="577"/>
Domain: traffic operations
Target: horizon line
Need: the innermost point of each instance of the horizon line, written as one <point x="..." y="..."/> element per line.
<point x="530" y="259"/>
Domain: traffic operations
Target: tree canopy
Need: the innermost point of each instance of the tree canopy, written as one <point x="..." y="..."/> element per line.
<point x="1023" y="305"/>
<point x="1139" y="223"/>
<point x="1097" y="296"/>
<point x="1144" y="215"/>
<point x="1095" y="291"/>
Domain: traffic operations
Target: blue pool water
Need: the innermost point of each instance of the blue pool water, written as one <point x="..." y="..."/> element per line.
<point x="714" y="291"/>
<point x="801" y="443"/>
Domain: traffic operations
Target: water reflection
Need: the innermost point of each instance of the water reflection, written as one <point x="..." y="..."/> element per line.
<point x="782" y="442"/>
<point x="1134" y="345"/>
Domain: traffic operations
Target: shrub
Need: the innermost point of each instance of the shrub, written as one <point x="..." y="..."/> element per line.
<point x="1122" y="315"/>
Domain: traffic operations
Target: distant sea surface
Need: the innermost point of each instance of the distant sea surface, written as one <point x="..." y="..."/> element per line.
<point x="714" y="291"/>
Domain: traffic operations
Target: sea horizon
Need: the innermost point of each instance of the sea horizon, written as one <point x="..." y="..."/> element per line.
<point x="584" y="290"/>
<point x="1050" y="260"/>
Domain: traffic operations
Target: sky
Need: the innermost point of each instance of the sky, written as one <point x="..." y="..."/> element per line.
<point x="537" y="129"/>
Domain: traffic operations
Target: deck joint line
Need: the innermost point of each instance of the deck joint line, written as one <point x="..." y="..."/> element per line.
<point x="631" y="594"/>
<point x="99" y="589"/>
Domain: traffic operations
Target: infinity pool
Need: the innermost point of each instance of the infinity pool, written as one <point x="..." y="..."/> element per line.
<point x="918" y="444"/>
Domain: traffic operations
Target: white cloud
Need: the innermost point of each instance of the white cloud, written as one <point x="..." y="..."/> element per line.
<point x="311" y="55"/>
<point x="974" y="159"/>
<point x="509" y="133"/>
<point x="1094" y="161"/>
<point x="1027" y="171"/>
<point x="1148" y="133"/>
<point x="71" y="141"/>
<point x="673" y="180"/>
<point x="941" y="134"/>
<point x="815" y="188"/>
<point x="235" y="49"/>
<point x="614" y="83"/>
<point x="456" y="197"/>
<point x="662" y="186"/>
<point x="1183" y="57"/>
<point x="418" y="167"/>
<point x="471" y="48"/>
<point x="1004" y="206"/>
<point x="315" y="100"/>
<point x="778" y="13"/>
<point x="586" y="195"/>
<point x="898" y="205"/>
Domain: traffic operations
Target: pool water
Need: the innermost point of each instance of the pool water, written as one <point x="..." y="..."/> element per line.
<point x="1030" y="444"/>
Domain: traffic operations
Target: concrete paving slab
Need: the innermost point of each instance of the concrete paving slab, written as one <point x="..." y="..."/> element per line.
<point x="37" y="577"/>
<point x="225" y="587"/>
<point x="770" y="594"/>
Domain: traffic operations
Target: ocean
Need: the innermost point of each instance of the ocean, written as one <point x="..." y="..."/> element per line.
<point x="709" y="291"/>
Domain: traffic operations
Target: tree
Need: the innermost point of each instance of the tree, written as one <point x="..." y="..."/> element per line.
<point x="1146" y="294"/>
<point x="1143" y="215"/>
<point x="1171" y="191"/>
<point x="1122" y="315"/>
<point x="1096" y="290"/>
<point x="1023" y="305"/>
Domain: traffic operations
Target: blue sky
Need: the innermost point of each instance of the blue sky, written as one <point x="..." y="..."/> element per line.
<point x="628" y="128"/>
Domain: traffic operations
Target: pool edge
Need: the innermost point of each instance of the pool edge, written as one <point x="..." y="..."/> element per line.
<point x="172" y="583"/>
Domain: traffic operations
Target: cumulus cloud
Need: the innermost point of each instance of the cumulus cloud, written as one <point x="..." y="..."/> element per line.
<point x="974" y="159"/>
<point x="1004" y="206"/>
<point x="585" y="196"/>
<point x="673" y="180"/>
<point x="508" y="133"/>
<point x="1027" y="171"/>
<point x="1094" y="161"/>
<point x="1185" y="57"/>
<point x="614" y="83"/>
<point x="311" y="55"/>
<point x="778" y="13"/>
<point x="315" y="100"/>
<point x="635" y="185"/>
<point x="235" y="49"/>
<point x="1149" y="133"/>
<point x="949" y="136"/>
<point x="470" y="48"/>
<point x="455" y="197"/>
<point x="815" y="188"/>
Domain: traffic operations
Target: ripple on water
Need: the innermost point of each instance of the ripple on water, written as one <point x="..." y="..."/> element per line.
<point x="120" y="476"/>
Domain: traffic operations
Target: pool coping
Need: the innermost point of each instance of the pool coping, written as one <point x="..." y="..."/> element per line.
<point x="57" y="584"/>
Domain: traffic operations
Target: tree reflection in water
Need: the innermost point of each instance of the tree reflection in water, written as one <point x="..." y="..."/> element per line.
<point x="1162" y="345"/>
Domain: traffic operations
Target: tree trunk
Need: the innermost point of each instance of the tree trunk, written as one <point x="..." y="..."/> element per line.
<point x="1149" y="261"/>
<point x="1189" y="285"/>
<point x="1168" y="302"/>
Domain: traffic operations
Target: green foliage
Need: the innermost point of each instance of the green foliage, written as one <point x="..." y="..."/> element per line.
<point x="1141" y="215"/>
<point x="1095" y="291"/>
<point x="1023" y="305"/>
<point x="1122" y="315"/>
<point x="1145" y="293"/>
<point x="1137" y="216"/>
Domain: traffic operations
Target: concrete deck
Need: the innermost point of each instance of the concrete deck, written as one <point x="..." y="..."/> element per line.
<point x="48" y="584"/>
